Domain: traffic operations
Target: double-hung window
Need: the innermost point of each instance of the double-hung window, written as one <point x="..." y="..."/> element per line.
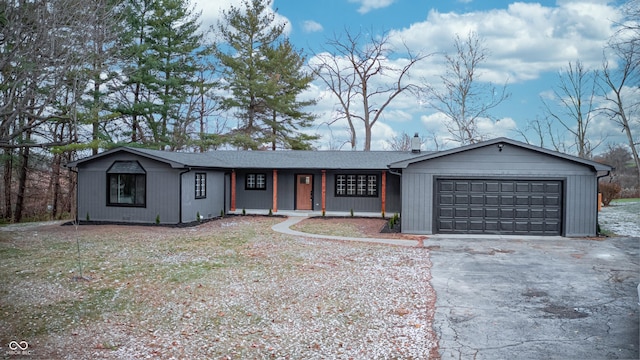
<point x="361" y="185"/>
<point x="126" y="184"/>
<point x="256" y="182"/>
<point x="201" y="185"/>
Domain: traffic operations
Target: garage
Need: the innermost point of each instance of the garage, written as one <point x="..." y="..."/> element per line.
<point x="501" y="187"/>
<point x="498" y="206"/>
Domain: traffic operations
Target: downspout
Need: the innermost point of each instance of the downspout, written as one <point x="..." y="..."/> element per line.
<point x="180" y="197"/>
<point x="597" y="192"/>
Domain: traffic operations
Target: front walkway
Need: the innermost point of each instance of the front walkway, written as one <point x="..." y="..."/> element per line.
<point x="284" y="227"/>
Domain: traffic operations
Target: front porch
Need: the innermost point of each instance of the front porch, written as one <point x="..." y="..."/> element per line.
<point x="308" y="213"/>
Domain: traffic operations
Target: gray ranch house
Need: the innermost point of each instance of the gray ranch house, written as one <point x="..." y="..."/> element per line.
<point x="500" y="186"/>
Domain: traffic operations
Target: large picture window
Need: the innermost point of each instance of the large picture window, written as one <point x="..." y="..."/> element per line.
<point x="201" y="185"/>
<point x="357" y="185"/>
<point x="126" y="182"/>
<point x="256" y="182"/>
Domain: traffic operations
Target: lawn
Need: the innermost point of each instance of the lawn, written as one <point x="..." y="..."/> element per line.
<point x="621" y="217"/>
<point x="229" y="288"/>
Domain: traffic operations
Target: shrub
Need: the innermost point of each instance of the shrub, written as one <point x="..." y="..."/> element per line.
<point x="157" y="219"/>
<point x="88" y="217"/>
<point x="609" y="192"/>
<point x="244" y="212"/>
<point x="351" y="212"/>
<point x="270" y="212"/>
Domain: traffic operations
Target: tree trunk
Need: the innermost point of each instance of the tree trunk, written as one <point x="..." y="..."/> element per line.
<point x="8" y="179"/>
<point x="55" y="179"/>
<point x="22" y="181"/>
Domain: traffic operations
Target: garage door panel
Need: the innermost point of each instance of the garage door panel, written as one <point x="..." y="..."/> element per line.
<point x="522" y="187"/>
<point x="476" y="199"/>
<point x="507" y="213"/>
<point x="461" y="199"/>
<point x="492" y="200"/>
<point x="446" y="213"/>
<point x="552" y="200"/>
<point x="493" y="213"/>
<point x="461" y="226"/>
<point x="462" y="212"/>
<point x="491" y="226"/>
<point x="477" y="186"/>
<point x="536" y="200"/>
<point x="507" y="187"/>
<point x="476" y="225"/>
<point x="445" y="186"/>
<point x="506" y="226"/>
<point x="507" y="200"/>
<point x="476" y="213"/>
<point x="553" y="188"/>
<point x="445" y="199"/>
<point x="492" y="186"/>
<point x="499" y="206"/>
<point x="445" y="225"/>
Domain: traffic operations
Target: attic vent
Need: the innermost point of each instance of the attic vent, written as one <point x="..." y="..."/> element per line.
<point x="415" y="144"/>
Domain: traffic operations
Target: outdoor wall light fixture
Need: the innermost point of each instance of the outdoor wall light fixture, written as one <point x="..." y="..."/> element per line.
<point x="500" y="146"/>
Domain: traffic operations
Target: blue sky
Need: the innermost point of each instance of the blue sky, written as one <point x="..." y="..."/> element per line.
<point x="528" y="43"/>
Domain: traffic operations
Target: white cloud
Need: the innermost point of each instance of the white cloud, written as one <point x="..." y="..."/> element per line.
<point x="212" y="13"/>
<point x="524" y="40"/>
<point x="310" y="26"/>
<point x="368" y="5"/>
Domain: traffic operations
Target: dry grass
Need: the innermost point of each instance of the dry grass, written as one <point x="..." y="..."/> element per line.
<point x="231" y="288"/>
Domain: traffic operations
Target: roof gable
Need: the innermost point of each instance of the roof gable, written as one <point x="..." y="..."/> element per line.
<point x="498" y="142"/>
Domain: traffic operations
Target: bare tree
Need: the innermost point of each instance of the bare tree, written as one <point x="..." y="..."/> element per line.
<point x="576" y="95"/>
<point x="463" y="99"/>
<point x="357" y="70"/>
<point x="544" y="134"/>
<point x="622" y="97"/>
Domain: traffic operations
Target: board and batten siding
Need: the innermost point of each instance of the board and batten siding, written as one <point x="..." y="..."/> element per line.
<point x="209" y="206"/>
<point x="162" y="192"/>
<point x="513" y="162"/>
<point x="364" y="203"/>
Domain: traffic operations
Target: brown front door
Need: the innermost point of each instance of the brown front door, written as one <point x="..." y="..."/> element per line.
<point x="304" y="192"/>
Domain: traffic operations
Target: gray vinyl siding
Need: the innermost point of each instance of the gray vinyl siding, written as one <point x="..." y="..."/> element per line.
<point x="254" y="199"/>
<point x="162" y="192"/>
<point x="208" y="207"/>
<point x="487" y="162"/>
<point x="364" y="203"/>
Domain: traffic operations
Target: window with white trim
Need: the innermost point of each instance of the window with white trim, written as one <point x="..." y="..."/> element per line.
<point x="201" y="185"/>
<point x="362" y="185"/>
<point x="256" y="182"/>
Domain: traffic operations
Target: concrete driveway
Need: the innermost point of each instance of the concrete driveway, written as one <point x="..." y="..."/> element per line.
<point x="536" y="298"/>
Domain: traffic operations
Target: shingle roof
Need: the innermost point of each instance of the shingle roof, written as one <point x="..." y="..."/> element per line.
<point x="293" y="159"/>
<point x="426" y="156"/>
